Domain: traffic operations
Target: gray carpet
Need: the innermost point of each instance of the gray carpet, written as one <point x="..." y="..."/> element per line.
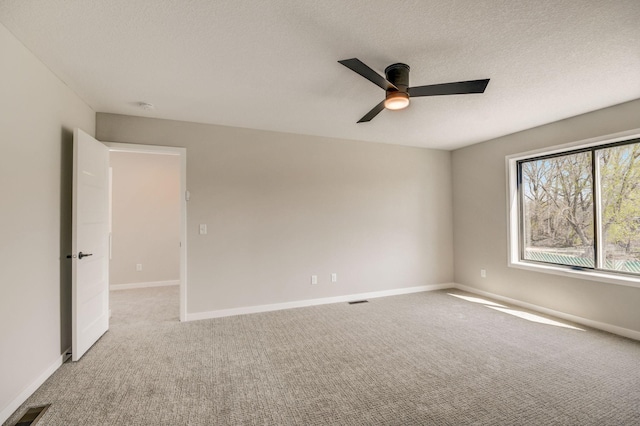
<point x="418" y="359"/>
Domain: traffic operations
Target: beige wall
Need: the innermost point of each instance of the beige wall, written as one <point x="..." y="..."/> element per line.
<point x="480" y="223"/>
<point x="281" y="207"/>
<point x="145" y="218"/>
<point x="37" y="115"/>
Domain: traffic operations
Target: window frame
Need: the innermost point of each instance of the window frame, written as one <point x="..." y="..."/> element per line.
<point x="516" y="226"/>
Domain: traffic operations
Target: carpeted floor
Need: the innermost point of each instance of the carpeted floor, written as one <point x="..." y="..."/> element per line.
<point x="418" y="359"/>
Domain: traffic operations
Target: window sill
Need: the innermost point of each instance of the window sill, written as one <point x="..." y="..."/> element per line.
<point x="603" y="277"/>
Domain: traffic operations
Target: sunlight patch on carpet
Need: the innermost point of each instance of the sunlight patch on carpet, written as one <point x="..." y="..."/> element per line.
<point x="533" y="317"/>
<point x="476" y="300"/>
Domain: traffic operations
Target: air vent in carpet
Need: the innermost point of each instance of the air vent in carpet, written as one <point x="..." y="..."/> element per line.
<point x="355" y="302"/>
<point x="32" y="415"/>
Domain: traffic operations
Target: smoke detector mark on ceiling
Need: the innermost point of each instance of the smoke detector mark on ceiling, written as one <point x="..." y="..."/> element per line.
<point x="146" y="106"/>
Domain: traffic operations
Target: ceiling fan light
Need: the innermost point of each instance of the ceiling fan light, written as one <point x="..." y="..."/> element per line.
<point x="396" y="100"/>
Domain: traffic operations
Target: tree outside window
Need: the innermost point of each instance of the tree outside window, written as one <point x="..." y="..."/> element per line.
<point x="582" y="208"/>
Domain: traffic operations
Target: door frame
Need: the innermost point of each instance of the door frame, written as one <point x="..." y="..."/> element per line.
<point x="182" y="153"/>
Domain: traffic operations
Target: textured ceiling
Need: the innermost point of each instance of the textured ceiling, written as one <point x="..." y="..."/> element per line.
<point x="273" y="64"/>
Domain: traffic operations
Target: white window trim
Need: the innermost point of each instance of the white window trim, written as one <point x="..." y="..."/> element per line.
<point x="513" y="217"/>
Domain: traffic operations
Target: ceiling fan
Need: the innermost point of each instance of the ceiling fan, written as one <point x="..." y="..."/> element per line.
<point x="398" y="92"/>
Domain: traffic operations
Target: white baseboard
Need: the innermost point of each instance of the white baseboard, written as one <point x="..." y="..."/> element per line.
<point x="312" y="302"/>
<point x="31" y="388"/>
<point x="143" y="285"/>
<point x="621" y="331"/>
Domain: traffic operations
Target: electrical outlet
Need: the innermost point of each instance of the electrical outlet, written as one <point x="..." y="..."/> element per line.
<point x="314" y="279"/>
<point x="334" y="277"/>
<point x="138" y="267"/>
<point x="203" y="229"/>
<point x="483" y="273"/>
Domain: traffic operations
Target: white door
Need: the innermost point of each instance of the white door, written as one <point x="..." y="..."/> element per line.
<point x="90" y="270"/>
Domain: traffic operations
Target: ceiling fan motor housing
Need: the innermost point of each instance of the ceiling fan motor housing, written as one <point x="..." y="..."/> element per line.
<point x="398" y="75"/>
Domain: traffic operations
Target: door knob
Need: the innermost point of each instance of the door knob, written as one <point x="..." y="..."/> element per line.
<point x="81" y="255"/>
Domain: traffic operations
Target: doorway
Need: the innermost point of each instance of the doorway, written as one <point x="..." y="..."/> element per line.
<point x="148" y="232"/>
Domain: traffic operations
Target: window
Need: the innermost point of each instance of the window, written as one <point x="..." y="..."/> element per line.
<point x="578" y="210"/>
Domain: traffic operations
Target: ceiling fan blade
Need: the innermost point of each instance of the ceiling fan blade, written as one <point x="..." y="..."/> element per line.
<point x="356" y="65"/>
<point x="458" y="88"/>
<point x="375" y="111"/>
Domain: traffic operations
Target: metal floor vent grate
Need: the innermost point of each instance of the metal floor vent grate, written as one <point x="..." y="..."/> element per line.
<point x="355" y="302"/>
<point x="32" y="415"/>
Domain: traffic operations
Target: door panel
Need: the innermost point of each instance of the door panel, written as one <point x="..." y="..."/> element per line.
<point x="90" y="274"/>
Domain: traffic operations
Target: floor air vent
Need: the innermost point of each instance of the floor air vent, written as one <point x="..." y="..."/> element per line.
<point x="32" y="415"/>
<point x="355" y="302"/>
